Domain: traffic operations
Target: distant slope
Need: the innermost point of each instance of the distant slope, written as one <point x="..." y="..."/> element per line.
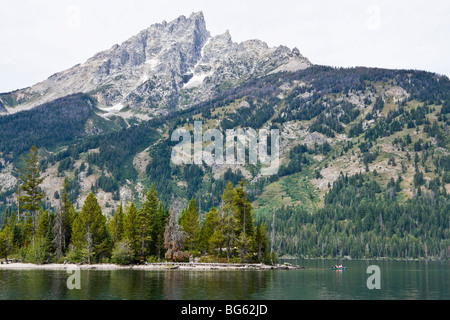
<point x="58" y="123"/>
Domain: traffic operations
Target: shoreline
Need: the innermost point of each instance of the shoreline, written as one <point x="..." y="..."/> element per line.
<point x="150" y="266"/>
<point x="368" y="259"/>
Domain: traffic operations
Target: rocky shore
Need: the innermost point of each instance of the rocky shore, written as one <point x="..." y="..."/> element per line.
<point x="151" y="266"/>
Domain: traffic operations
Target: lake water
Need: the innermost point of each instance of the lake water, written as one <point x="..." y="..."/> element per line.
<point x="400" y="280"/>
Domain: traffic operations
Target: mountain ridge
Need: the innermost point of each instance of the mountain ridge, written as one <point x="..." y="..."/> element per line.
<point x="151" y="70"/>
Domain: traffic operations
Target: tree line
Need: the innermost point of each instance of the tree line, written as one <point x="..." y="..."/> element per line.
<point x="363" y="220"/>
<point x="152" y="232"/>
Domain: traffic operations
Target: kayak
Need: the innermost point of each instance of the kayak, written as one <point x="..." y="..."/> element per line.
<point x="343" y="268"/>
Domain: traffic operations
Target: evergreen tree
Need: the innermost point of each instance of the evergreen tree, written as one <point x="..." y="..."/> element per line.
<point x="43" y="224"/>
<point x="116" y="225"/>
<point x="245" y="222"/>
<point x="30" y="179"/>
<point x="89" y="230"/>
<point x="158" y="229"/>
<point x="131" y="230"/>
<point x="28" y="231"/>
<point x="12" y="220"/>
<point x="6" y="242"/>
<point x="190" y="224"/>
<point x="262" y="245"/>
<point x="210" y="225"/>
<point x="68" y="212"/>
<point x="62" y="224"/>
<point x="229" y="221"/>
<point x="44" y="233"/>
<point x="59" y="231"/>
<point x="149" y="221"/>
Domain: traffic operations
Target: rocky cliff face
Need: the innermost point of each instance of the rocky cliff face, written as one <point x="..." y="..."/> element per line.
<point x="166" y="66"/>
<point x="223" y="60"/>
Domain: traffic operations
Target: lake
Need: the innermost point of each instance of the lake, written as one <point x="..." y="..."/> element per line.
<point x="399" y="280"/>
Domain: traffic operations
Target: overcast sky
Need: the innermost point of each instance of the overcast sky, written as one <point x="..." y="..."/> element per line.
<point x="42" y="37"/>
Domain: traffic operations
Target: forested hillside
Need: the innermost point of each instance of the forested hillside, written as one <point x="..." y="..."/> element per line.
<point x="365" y="159"/>
<point x="149" y="233"/>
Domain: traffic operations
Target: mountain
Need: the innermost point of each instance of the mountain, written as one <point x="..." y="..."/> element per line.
<point x="364" y="152"/>
<point x="166" y="66"/>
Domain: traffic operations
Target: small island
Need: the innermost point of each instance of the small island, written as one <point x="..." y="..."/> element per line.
<point x="142" y="234"/>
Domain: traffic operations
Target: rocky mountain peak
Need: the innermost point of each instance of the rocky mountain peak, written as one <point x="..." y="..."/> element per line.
<point x="150" y="71"/>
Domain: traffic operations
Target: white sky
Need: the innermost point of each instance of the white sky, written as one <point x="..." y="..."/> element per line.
<point x="39" y="38"/>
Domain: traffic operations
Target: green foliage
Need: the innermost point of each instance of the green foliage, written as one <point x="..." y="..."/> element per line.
<point x="190" y="224"/>
<point x="245" y="223"/>
<point x="130" y="231"/>
<point x="144" y="225"/>
<point x="262" y="244"/>
<point x="30" y="181"/>
<point x="115" y="225"/>
<point x="6" y="241"/>
<point x="37" y="251"/>
<point x="159" y="169"/>
<point x="157" y="216"/>
<point x="122" y="253"/>
<point x="107" y="184"/>
<point x="418" y="179"/>
<point x="210" y="225"/>
<point x="358" y="221"/>
<point x="49" y="125"/>
<point x="89" y="230"/>
<point x="446" y="107"/>
<point x="297" y="158"/>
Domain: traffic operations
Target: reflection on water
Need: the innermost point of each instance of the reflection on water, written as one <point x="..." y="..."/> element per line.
<point x="399" y="280"/>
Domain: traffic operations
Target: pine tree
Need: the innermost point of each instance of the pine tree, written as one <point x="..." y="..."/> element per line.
<point x="190" y="224"/>
<point x="149" y="221"/>
<point x="115" y="225"/>
<point x="262" y="245"/>
<point x="12" y="221"/>
<point x="30" y="179"/>
<point x="144" y="229"/>
<point x="245" y="226"/>
<point x="131" y="229"/>
<point x="44" y="231"/>
<point x="158" y="230"/>
<point x="229" y="221"/>
<point x="68" y="213"/>
<point x="43" y="223"/>
<point x="62" y="224"/>
<point x="89" y="230"/>
<point x="28" y="231"/>
<point x="6" y="242"/>
<point x="217" y="241"/>
<point x="210" y="225"/>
